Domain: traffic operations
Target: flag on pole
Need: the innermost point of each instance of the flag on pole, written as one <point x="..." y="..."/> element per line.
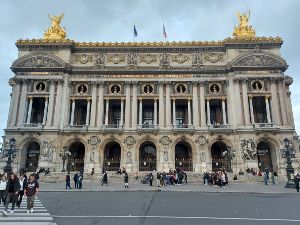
<point x="135" y="33"/>
<point x="164" y="31"/>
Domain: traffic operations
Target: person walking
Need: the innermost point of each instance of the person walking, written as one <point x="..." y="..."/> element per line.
<point x="12" y="190"/>
<point x="158" y="179"/>
<point x="150" y="179"/>
<point x="79" y="182"/>
<point x="75" y="178"/>
<point x="104" y="179"/>
<point x="68" y="179"/>
<point x="297" y="182"/>
<point x="23" y="183"/>
<point x="3" y="184"/>
<point x="31" y="189"/>
<point x="126" y="178"/>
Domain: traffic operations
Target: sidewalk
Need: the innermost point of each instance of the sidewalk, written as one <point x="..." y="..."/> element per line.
<point x="254" y="188"/>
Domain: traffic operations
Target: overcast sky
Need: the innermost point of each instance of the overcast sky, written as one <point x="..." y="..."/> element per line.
<point x="113" y="20"/>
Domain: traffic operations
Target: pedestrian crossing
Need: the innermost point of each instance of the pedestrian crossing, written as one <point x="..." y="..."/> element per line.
<point x="40" y="216"/>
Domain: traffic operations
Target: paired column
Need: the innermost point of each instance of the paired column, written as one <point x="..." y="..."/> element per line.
<point x="140" y="111"/>
<point x="283" y="104"/>
<point x="174" y="111"/>
<point x="127" y="106"/>
<point x="274" y="104"/>
<point x="100" y="106"/>
<point x="251" y="110"/>
<point x="155" y="113"/>
<point x="57" y="111"/>
<point x="72" y="112"/>
<point x="189" y="112"/>
<point x="208" y="111"/>
<point x="22" y="105"/>
<point x="268" y="109"/>
<point x="122" y="112"/>
<point x="134" y="106"/>
<point x="168" y="106"/>
<point x="87" y="119"/>
<point x="202" y="105"/>
<point x="195" y="105"/>
<point x="161" y="106"/>
<point x="224" y="111"/>
<point x="51" y="103"/>
<point x="14" y="104"/>
<point x="94" y="104"/>
<point x="106" y="112"/>
<point x="245" y="103"/>
<point x="45" y="111"/>
<point x="30" y="99"/>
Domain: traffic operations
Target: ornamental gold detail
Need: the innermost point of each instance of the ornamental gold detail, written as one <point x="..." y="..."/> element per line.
<point x="243" y="29"/>
<point x="55" y="32"/>
<point x="180" y="58"/>
<point x="148" y="59"/>
<point x="115" y="59"/>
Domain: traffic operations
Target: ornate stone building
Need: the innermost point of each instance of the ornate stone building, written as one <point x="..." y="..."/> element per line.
<point x="201" y="106"/>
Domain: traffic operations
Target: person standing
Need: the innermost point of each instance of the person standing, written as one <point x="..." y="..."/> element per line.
<point x="104" y="179"/>
<point x="126" y="178"/>
<point x="150" y="179"/>
<point x="3" y="184"/>
<point x="297" y="182"/>
<point x="23" y="183"/>
<point x="31" y="189"/>
<point x="158" y="179"/>
<point x="68" y="179"/>
<point x="79" y="182"/>
<point x="12" y="190"/>
<point x="75" y="178"/>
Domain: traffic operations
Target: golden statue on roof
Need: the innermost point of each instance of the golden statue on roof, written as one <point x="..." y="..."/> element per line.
<point x="243" y="30"/>
<point x="55" y="32"/>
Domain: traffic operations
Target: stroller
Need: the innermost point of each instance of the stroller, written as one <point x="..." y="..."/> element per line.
<point x="145" y="180"/>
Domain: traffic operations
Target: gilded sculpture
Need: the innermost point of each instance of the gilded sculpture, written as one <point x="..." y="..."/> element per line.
<point x="243" y="30"/>
<point x="55" y="32"/>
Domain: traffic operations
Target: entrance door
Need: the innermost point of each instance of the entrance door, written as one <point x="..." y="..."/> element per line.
<point x="183" y="156"/>
<point x="220" y="160"/>
<point x="264" y="156"/>
<point x="33" y="155"/>
<point x="112" y="156"/>
<point x="76" y="159"/>
<point x="147" y="157"/>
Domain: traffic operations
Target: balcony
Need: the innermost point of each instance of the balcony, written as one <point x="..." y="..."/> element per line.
<point x="219" y="128"/>
<point x="265" y="126"/>
<point x="183" y="127"/>
<point x="147" y="128"/>
<point x="113" y="128"/>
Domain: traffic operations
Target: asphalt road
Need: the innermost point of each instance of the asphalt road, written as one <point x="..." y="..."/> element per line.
<point x="147" y="208"/>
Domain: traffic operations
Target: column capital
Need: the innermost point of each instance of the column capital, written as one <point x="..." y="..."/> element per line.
<point x="173" y="99"/>
<point x="161" y="83"/>
<point x="127" y="83"/>
<point x="140" y="99"/>
<point x="189" y="99"/>
<point x="72" y="99"/>
<point x="106" y="98"/>
<point x="122" y="99"/>
<point x="195" y="83"/>
<point x="267" y="97"/>
<point x="223" y="98"/>
<point x="167" y="82"/>
<point x="208" y="98"/>
<point x="134" y="83"/>
<point x="30" y="97"/>
<point x="250" y="96"/>
<point x="46" y="98"/>
<point x="88" y="99"/>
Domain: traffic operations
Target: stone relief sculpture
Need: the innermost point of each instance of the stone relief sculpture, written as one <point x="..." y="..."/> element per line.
<point x="165" y="140"/>
<point x="164" y="60"/>
<point x="196" y="60"/>
<point x="83" y="58"/>
<point x="92" y="155"/>
<point x="132" y="59"/>
<point x="213" y="57"/>
<point x="129" y="156"/>
<point x="116" y="59"/>
<point x="249" y="151"/>
<point x="47" y="150"/>
<point x="180" y="58"/>
<point x="38" y="61"/>
<point x="129" y="140"/>
<point x="94" y="140"/>
<point x="148" y="59"/>
<point x="166" y="154"/>
<point x="202" y="141"/>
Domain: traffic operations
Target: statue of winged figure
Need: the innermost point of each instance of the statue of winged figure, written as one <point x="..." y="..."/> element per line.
<point x="55" y="32"/>
<point x="243" y="18"/>
<point x="56" y="20"/>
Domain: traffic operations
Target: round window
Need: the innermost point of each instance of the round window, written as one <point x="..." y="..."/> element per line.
<point x="81" y="89"/>
<point x="148" y="89"/>
<point x="214" y="88"/>
<point x="40" y="86"/>
<point x="115" y="89"/>
<point x="257" y="86"/>
<point x="181" y="89"/>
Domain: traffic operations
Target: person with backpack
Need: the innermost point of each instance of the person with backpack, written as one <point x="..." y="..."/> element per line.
<point x="12" y="190"/>
<point x="31" y="189"/>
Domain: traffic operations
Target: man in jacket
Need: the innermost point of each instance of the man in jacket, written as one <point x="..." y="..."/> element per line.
<point x="12" y="189"/>
<point x="31" y="189"/>
<point x="23" y="183"/>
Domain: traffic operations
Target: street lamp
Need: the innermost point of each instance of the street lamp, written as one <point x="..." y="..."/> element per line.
<point x="229" y="154"/>
<point x="10" y="152"/>
<point x="64" y="155"/>
<point x="288" y="153"/>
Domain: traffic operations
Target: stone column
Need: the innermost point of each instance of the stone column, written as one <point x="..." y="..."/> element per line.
<point x="238" y="103"/>
<point x="127" y="106"/>
<point x="100" y="106"/>
<point x="168" y="106"/>
<point x="202" y="105"/>
<point x="72" y="112"/>
<point x="45" y="111"/>
<point x="274" y="103"/>
<point x="232" y="118"/>
<point x="94" y="105"/>
<point x="189" y="112"/>
<point x="268" y="109"/>
<point x="155" y="112"/>
<point x="195" y="106"/>
<point x="106" y="112"/>
<point x="161" y="105"/>
<point x="140" y="111"/>
<point x="14" y="104"/>
<point x="283" y="105"/>
<point x="174" y="111"/>
<point x="22" y="104"/>
<point x="29" y="110"/>
<point x="251" y="110"/>
<point x="122" y="113"/>
<point x="245" y="103"/>
<point x="64" y="119"/>
<point x="88" y="109"/>
<point x="58" y="102"/>
<point x="134" y="106"/>
<point x="224" y="111"/>
<point x="51" y="103"/>
<point x="208" y="111"/>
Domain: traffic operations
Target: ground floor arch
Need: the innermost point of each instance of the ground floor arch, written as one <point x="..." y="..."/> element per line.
<point x="183" y="156"/>
<point x="76" y="159"/>
<point x="112" y="156"/>
<point x="30" y="156"/>
<point x="220" y="157"/>
<point x="266" y="156"/>
<point x="147" y="156"/>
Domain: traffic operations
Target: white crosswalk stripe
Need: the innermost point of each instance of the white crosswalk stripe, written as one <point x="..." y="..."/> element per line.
<point x="40" y="216"/>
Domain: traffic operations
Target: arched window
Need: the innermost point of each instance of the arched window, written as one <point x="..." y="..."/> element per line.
<point x="147" y="157"/>
<point x="183" y="156"/>
<point x="112" y="156"/>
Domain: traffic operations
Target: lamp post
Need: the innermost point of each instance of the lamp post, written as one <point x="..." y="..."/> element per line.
<point x="288" y="153"/>
<point x="10" y="152"/>
<point x="229" y="154"/>
<point x="64" y="155"/>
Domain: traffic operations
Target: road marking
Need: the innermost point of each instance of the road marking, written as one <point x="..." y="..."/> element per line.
<point x="22" y="218"/>
<point x="186" y="217"/>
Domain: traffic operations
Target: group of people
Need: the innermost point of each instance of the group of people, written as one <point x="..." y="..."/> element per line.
<point x="176" y="177"/>
<point x="218" y="178"/>
<point x="77" y="178"/>
<point x="13" y="188"/>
